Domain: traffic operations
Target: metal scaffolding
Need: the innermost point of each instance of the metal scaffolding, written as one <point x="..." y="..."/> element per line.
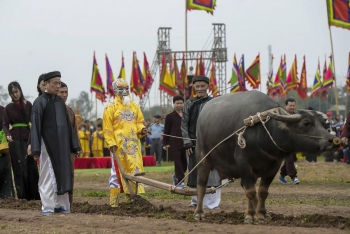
<point x="218" y="53"/>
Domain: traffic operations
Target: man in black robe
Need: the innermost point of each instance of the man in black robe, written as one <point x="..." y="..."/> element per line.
<point x="53" y="138"/>
<point x="191" y="111"/>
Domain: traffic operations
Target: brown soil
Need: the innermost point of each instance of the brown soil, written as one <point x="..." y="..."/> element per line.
<point x="159" y="215"/>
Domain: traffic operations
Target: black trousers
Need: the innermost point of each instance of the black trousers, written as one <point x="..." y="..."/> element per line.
<point x="25" y="171"/>
<point x="180" y="163"/>
<point x="6" y="186"/>
<point x="288" y="167"/>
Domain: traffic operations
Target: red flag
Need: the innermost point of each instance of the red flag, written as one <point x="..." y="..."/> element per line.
<point x="146" y="74"/>
<point x="302" y="86"/>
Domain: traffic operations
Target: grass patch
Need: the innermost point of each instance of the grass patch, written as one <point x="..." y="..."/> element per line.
<point x="3" y="227"/>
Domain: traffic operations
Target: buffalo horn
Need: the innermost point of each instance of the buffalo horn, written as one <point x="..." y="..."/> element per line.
<point x="285" y="118"/>
<point x="324" y="116"/>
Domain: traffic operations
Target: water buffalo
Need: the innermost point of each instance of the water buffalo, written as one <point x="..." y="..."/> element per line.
<point x="261" y="158"/>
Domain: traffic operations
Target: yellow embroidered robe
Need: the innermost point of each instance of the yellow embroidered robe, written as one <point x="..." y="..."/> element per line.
<point x="84" y="142"/>
<point x="122" y="127"/>
<point x="97" y="144"/>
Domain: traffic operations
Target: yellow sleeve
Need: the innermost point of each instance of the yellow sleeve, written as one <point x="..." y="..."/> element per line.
<point x="140" y="121"/>
<point x="108" y="126"/>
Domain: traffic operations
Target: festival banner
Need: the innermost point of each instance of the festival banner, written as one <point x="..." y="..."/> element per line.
<point x="317" y="86"/>
<point x="324" y="86"/>
<point x="283" y="77"/>
<point x="146" y="73"/>
<point x="235" y="77"/>
<point x="213" y="88"/>
<point x="339" y="13"/>
<point x="167" y="84"/>
<point x="110" y="78"/>
<point x="276" y="88"/>
<point x="242" y="76"/>
<point x="302" y="86"/>
<point x="292" y="78"/>
<point x="206" y="5"/>
<point x="253" y="73"/>
<point x="122" y="69"/>
<point x="96" y="82"/>
<point x="136" y="81"/>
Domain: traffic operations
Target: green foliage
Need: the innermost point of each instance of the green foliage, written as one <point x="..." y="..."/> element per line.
<point x="84" y="105"/>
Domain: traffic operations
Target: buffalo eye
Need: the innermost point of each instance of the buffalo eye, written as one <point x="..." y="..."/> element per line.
<point x="306" y="123"/>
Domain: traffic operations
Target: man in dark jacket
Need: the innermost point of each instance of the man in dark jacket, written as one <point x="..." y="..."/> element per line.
<point x="175" y="145"/>
<point x="288" y="167"/>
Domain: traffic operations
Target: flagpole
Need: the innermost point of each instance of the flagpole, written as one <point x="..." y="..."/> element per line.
<point x="90" y="107"/>
<point x="186" y="25"/>
<point x="334" y="78"/>
<point x="96" y="106"/>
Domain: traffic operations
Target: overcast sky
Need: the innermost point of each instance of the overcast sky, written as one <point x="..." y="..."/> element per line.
<point x="39" y="36"/>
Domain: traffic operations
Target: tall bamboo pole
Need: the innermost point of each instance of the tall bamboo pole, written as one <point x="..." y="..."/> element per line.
<point x="183" y="79"/>
<point x="334" y="78"/>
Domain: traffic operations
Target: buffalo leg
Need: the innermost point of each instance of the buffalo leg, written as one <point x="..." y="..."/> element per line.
<point x="248" y="184"/>
<point x="202" y="181"/>
<point x="263" y="192"/>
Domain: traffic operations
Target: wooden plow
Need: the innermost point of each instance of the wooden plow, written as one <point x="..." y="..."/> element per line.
<point x="139" y="178"/>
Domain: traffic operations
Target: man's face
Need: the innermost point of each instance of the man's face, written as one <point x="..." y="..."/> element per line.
<point x="201" y="88"/>
<point x="178" y="105"/>
<point x="53" y="85"/>
<point x="290" y="107"/>
<point x="15" y="94"/>
<point x="63" y="93"/>
<point x="156" y="120"/>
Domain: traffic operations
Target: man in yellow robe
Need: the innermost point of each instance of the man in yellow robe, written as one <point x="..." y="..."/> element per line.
<point x="84" y="137"/>
<point x="123" y="126"/>
<point x="98" y="142"/>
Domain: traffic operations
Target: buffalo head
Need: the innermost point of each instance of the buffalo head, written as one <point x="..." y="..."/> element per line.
<point x="306" y="130"/>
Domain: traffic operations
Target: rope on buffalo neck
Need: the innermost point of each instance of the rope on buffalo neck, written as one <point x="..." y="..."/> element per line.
<point x="263" y="123"/>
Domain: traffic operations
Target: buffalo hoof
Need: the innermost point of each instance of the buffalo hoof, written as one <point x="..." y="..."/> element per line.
<point x="260" y="218"/>
<point x="199" y="216"/>
<point x="248" y="221"/>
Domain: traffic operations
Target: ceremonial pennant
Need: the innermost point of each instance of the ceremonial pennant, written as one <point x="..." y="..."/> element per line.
<point x="242" y="76"/>
<point x="302" y="86"/>
<point x="122" y="69"/>
<point x="339" y="13"/>
<point x="317" y="86"/>
<point x="96" y="82"/>
<point x="146" y="73"/>
<point x="167" y="84"/>
<point x="206" y="5"/>
<point x="213" y="88"/>
<point x="136" y="81"/>
<point x="292" y="78"/>
<point x="253" y="73"/>
<point x="110" y="78"/>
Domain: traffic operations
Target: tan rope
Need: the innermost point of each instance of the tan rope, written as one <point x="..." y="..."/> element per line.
<point x="263" y="123"/>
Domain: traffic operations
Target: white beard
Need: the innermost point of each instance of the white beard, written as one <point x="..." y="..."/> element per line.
<point x="126" y="101"/>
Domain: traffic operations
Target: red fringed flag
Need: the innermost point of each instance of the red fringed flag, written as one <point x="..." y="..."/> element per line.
<point x="339" y="13"/>
<point x="276" y="88"/>
<point x="146" y="74"/>
<point x="327" y="77"/>
<point x="110" y="78"/>
<point x="167" y="84"/>
<point x="292" y="78"/>
<point x="213" y="88"/>
<point x="206" y="5"/>
<point x="302" y="86"/>
<point x="136" y="81"/>
<point x="96" y="82"/>
<point x="348" y="76"/>
<point x="253" y="73"/>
